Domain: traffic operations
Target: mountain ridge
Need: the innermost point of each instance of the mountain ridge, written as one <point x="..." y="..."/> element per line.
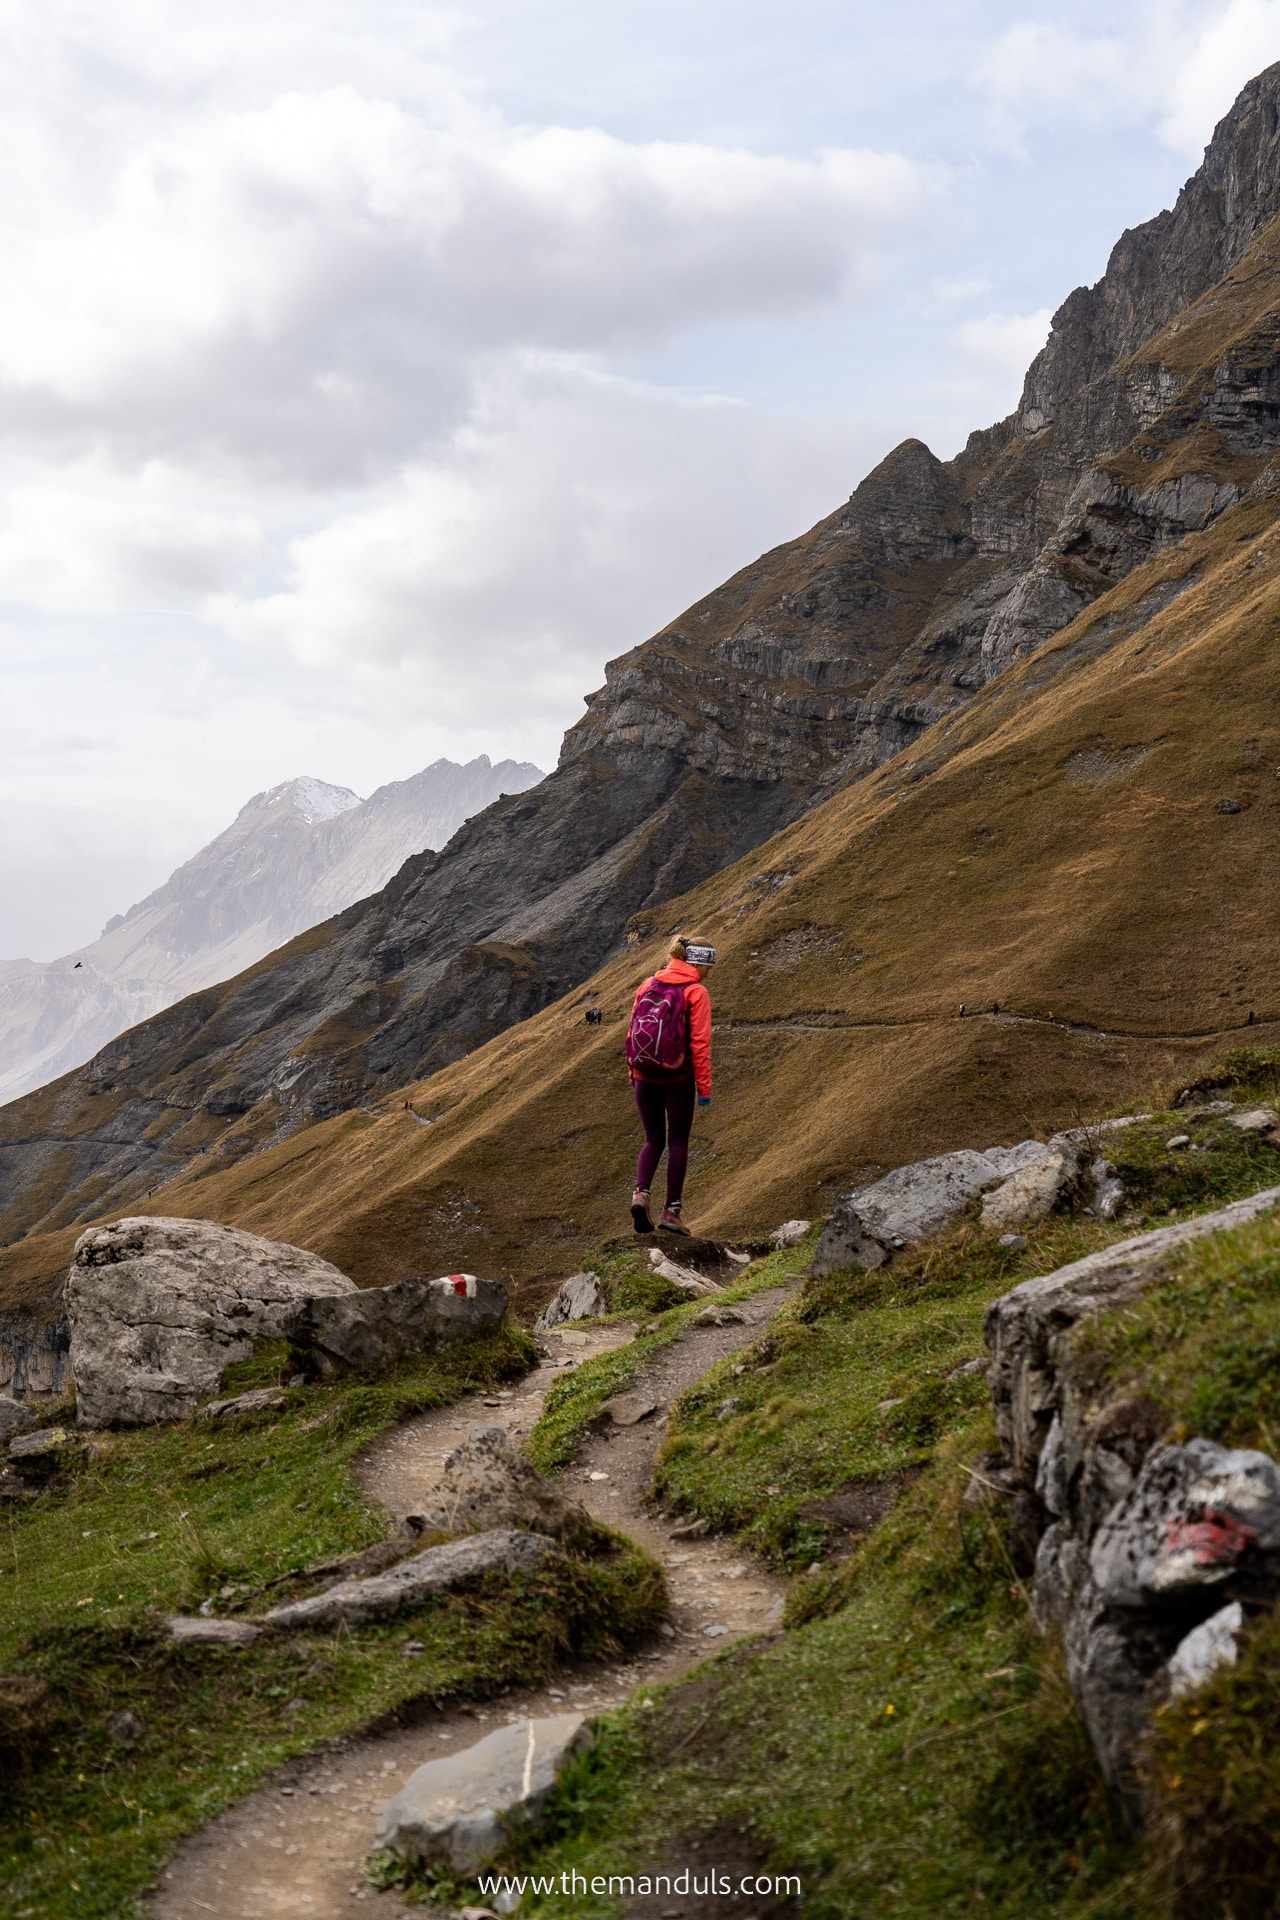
<point x="294" y="855"/>
<point x="1037" y="558"/>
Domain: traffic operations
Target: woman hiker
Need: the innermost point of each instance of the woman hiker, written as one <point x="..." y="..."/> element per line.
<point x="669" y="1058"/>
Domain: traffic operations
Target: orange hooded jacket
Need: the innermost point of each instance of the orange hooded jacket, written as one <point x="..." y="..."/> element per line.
<point x="698" y="1007"/>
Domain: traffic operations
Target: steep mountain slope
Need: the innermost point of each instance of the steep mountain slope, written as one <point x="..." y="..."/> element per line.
<point x="903" y="625"/>
<point x="292" y="857"/>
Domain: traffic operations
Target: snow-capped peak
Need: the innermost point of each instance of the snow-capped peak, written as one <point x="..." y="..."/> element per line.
<point x="317" y="800"/>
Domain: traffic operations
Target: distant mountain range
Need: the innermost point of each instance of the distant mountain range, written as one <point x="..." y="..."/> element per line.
<point x="292" y="857"/>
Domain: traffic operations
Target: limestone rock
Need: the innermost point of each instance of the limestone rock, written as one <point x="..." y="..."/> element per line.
<point x="158" y="1308"/>
<point x="582" y="1297"/>
<point x="1256" y="1120"/>
<point x="1026" y="1327"/>
<point x="357" y="1603"/>
<point x="685" y="1277"/>
<point x="15" y="1417"/>
<point x="628" y="1409"/>
<point x="461" y="1810"/>
<point x="1204" y="1651"/>
<point x="377" y="1325"/>
<point x="868" y="1224"/>
<point x="790" y="1233"/>
<point x="486" y="1483"/>
<point x="1193" y="1515"/>
<point x="256" y="1400"/>
<point x="1029" y="1194"/>
<point x="193" y="1631"/>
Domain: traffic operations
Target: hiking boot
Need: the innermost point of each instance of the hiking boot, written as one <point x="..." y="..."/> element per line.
<point x="670" y="1221"/>
<point x="640" y="1211"/>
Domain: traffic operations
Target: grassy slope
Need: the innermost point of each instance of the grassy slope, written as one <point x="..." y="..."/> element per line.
<point x="1129" y="910"/>
<point x="910" y="1747"/>
<point x="1057" y="847"/>
<point x="164" y="1519"/>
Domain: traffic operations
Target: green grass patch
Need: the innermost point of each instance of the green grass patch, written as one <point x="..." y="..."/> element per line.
<point x="574" y="1401"/>
<point x="162" y="1520"/>
<point x="1217" y="1166"/>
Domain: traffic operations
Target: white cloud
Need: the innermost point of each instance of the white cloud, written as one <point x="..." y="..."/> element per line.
<point x="1173" y="65"/>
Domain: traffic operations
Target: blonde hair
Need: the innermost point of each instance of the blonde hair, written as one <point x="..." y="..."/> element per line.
<point x="681" y="944"/>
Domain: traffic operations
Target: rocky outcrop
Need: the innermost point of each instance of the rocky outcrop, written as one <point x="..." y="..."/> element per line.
<point x="1149" y="1556"/>
<point x="869" y="1224"/>
<point x="460" y="1811"/>
<point x="822" y="660"/>
<point x="359" y="1603"/>
<point x="158" y="1308"/>
<point x="34" y="1350"/>
<point x="582" y="1297"/>
<point x="485" y="1485"/>
<point x="380" y="1325"/>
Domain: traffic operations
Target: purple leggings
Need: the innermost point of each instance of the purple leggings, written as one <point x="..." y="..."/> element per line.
<point x="666" y="1113"/>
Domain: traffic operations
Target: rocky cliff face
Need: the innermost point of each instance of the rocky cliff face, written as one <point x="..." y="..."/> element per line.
<point x="292" y="857"/>
<point x="1150" y="411"/>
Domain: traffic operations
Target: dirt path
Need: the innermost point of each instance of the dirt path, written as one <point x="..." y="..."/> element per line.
<point x="296" y="1847"/>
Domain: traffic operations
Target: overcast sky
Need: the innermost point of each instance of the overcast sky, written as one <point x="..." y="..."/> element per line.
<point x="371" y="373"/>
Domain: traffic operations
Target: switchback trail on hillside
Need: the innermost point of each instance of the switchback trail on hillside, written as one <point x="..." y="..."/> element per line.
<point x="296" y="1846"/>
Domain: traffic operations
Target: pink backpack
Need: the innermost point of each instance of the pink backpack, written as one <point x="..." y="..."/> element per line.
<point x="658" y="1036"/>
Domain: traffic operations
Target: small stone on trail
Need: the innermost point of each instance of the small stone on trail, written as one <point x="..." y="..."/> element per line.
<point x="628" y="1409"/>
<point x="711" y="1632"/>
<point x="581" y="1297"/>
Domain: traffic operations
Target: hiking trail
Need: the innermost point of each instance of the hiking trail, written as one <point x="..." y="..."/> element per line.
<point x="296" y="1846"/>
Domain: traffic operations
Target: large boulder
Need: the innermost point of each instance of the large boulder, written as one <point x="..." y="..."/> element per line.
<point x="159" y="1308"/>
<point x="1149" y="1556"/>
<point x="460" y="1811"/>
<point x="358" y="1603"/>
<point x="487" y="1484"/>
<point x="380" y="1325"/>
<point x="869" y="1224"/>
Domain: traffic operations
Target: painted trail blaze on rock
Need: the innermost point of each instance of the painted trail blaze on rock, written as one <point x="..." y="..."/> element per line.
<point x="1216" y="1540"/>
<point x="462" y="1810"/>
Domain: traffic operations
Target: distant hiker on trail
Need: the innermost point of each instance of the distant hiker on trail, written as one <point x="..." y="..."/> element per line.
<point x="669" y="1058"/>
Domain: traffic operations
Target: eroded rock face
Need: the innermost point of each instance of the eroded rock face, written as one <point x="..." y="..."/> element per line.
<point x="826" y="657"/>
<point x="582" y="1297"/>
<point x="358" y="1603"/>
<point x="375" y="1326"/>
<point x="461" y="1810"/>
<point x="869" y="1224"/>
<point x="158" y="1308"/>
<point x="485" y="1484"/>
<point x="1149" y="1557"/>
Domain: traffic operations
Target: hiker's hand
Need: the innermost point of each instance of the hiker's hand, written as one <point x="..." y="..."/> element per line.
<point x="704" y="1099"/>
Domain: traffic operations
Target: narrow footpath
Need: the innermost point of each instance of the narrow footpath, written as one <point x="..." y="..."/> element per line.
<point x="296" y="1847"/>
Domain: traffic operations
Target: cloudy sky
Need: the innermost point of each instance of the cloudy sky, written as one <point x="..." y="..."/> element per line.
<point x="370" y="373"/>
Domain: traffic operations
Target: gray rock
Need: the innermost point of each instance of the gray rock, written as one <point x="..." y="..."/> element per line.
<point x="15" y="1417"/>
<point x="1256" y="1120"/>
<point x="47" y="1450"/>
<point x="869" y="1223"/>
<point x="460" y="1811"/>
<point x="379" y="1325"/>
<point x="486" y="1484"/>
<point x="1193" y="1514"/>
<point x="684" y="1277"/>
<point x="790" y="1233"/>
<point x="582" y="1297"/>
<point x="1205" y="1651"/>
<point x="256" y="1400"/>
<point x="1025" y="1328"/>
<point x="125" y="1728"/>
<point x="1108" y="1191"/>
<point x="628" y="1409"/>
<point x="191" y="1631"/>
<point x="158" y="1308"/>
<point x="358" y="1603"/>
<point x="1030" y="1193"/>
